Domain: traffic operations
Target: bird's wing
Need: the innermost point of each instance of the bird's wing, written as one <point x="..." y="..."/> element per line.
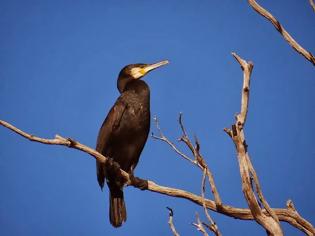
<point x="110" y="124"/>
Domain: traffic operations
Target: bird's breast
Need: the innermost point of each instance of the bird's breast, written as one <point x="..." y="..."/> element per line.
<point x="136" y="115"/>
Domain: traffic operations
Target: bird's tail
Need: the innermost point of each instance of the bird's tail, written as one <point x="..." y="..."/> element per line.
<point x="117" y="208"/>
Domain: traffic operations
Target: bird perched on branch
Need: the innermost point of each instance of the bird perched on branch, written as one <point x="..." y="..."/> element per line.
<point x="124" y="133"/>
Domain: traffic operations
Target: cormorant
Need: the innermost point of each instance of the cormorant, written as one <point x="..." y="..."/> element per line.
<point x="124" y="133"/>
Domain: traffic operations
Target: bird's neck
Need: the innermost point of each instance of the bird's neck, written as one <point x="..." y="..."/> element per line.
<point x="139" y="87"/>
<point x="122" y="83"/>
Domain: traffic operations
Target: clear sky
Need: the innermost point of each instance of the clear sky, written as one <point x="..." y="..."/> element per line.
<point x="59" y="62"/>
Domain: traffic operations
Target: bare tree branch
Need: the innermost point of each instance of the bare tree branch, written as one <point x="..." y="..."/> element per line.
<point x="295" y="45"/>
<point x="283" y="214"/>
<point x="200" y="162"/>
<point x="59" y="140"/>
<point x="312" y="4"/>
<point x="212" y="226"/>
<point x="170" y="221"/>
<point x="163" y="138"/>
<point x="199" y="226"/>
<point x="247" y="68"/>
<point x="269" y="222"/>
<point x="195" y="150"/>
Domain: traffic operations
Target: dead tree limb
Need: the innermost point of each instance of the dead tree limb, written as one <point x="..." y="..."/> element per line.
<point x="212" y="226"/>
<point x="284" y="214"/>
<point x="198" y="160"/>
<point x="295" y="45"/>
<point x="270" y="222"/>
<point x="309" y="230"/>
<point x="170" y="221"/>
<point x="199" y="226"/>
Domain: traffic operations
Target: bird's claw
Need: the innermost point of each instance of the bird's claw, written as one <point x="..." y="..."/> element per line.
<point x="112" y="167"/>
<point x="138" y="183"/>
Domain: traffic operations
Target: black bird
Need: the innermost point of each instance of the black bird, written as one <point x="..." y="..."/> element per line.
<point x="124" y="133"/>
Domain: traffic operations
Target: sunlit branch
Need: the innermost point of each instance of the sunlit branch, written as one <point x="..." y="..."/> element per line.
<point x="269" y="222"/>
<point x="295" y="45"/>
<point x="283" y="214"/>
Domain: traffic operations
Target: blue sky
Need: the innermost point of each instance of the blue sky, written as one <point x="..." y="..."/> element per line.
<point x="59" y="63"/>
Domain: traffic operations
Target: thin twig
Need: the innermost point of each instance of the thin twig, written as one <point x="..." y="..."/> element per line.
<point x="297" y="47"/>
<point x="201" y="163"/>
<point x="239" y="213"/>
<point x="185" y="138"/>
<point x="163" y="138"/>
<point x="212" y="226"/>
<point x="170" y="221"/>
<point x="195" y="150"/>
<point x="180" y="120"/>
<point x="199" y="226"/>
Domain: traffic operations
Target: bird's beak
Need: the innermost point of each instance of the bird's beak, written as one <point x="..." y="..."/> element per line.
<point x="154" y="66"/>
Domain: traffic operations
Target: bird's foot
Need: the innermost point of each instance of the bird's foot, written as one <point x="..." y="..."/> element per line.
<point x="138" y="183"/>
<point x="112" y="167"/>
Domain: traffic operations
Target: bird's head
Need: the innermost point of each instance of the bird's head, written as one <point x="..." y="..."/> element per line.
<point x="135" y="72"/>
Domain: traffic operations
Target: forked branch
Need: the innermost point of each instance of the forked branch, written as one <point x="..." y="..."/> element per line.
<point x="212" y="226"/>
<point x="199" y="226"/>
<point x="270" y="222"/>
<point x="197" y="159"/>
